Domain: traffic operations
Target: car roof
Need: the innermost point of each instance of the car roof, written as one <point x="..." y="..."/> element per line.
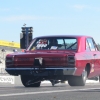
<point x="75" y="36"/>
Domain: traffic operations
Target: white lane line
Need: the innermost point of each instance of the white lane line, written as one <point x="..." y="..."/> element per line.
<point x="43" y="92"/>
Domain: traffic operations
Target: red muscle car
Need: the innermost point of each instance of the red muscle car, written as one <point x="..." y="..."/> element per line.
<point x="56" y="58"/>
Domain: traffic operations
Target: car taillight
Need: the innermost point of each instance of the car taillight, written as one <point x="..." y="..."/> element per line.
<point x="9" y="60"/>
<point x="71" y="60"/>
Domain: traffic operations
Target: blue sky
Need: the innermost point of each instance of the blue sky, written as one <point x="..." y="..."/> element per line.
<point x="50" y="17"/>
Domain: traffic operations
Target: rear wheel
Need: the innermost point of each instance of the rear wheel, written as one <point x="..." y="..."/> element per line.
<point x="78" y="80"/>
<point x="30" y="81"/>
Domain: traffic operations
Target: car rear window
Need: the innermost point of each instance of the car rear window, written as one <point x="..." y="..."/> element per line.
<point x="53" y="43"/>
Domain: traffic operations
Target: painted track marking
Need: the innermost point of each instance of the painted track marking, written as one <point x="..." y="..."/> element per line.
<point x="43" y="92"/>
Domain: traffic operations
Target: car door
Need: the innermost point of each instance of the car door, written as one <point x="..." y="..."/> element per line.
<point x="94" y="71"/>
<point x="97" y="57"/>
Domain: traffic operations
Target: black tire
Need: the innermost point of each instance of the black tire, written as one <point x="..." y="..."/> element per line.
<point x="29" y="81"/>
<point x="78" y="80"/>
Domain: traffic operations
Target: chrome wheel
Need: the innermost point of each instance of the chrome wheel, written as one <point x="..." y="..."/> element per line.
<point x="84" y="74"/>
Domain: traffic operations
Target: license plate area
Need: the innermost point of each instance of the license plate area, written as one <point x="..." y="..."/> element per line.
<point x="38" y="62"/>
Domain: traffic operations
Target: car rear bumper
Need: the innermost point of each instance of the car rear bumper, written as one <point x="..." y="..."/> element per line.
<point x="42" y="71"/>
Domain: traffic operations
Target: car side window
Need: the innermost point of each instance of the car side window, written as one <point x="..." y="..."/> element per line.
<point x="87" y="46"/>
<point x="91" y="44"/>
<point x="95" y="46"/>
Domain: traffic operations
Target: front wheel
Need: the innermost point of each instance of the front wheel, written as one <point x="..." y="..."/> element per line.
<point x="78" y="80"/>
<point x="99" y="78"/>
<point x="30" y="81"/>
